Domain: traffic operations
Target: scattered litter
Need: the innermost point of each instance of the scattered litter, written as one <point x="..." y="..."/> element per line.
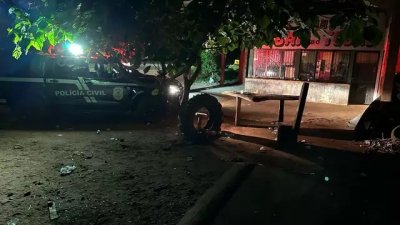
<point x="12" y="222"/>
<point x="114" y="139"/>
<point x="388" y="146"/>
<point x="18" y="146"/>
<point x="326" y="178"/>
<point x="27" y="194"/>
<point x="189" y="159"/>
<point x="227" y="134"/>
<point x="67" y="169"/>
<point x="303" y="141"/>
<point x="59" y="135"/>
<point x="52" y="210"/>
<point x="263" y="148"/>
<point x="98" y="132"/>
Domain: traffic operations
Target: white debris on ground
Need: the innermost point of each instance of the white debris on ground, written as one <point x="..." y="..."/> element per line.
<point x="390" y="146"/>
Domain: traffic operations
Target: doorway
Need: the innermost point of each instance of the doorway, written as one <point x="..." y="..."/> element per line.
<point x="364" y="77"/>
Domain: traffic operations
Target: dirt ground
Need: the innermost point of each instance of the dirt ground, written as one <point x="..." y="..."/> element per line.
<point x="128" y="174"/>
<point x="134" y="173"/>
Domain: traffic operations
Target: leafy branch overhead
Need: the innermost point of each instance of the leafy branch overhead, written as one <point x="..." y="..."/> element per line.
<point x="175" y="32"/>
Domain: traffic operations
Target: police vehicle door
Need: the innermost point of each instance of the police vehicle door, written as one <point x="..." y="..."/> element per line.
<point x="64" y="85"/>
<point x="103" y="88"/>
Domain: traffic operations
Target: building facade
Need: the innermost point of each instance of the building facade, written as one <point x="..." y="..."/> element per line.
<point x="337" y="74"/>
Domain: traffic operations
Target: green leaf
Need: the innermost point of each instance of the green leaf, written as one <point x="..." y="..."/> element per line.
<point x="51" y="37"/>
<point x="304" y="35"/>
<point x="17" y="38"/>
<point x="336" y="21"/>
<point x="37" y="45"/>
<point x="373" y="34"/>
<point x="17" y="52"/>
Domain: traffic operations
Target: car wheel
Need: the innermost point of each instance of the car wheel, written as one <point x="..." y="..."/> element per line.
<point x="147" y="108"/>
<point x="29" y="107"/>
<point x="201" y="117"/>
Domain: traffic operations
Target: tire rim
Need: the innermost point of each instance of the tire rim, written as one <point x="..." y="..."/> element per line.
<point x="201" y="118"/>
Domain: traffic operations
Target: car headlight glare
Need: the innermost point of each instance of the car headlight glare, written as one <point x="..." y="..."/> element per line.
<point x="174" y="90"/>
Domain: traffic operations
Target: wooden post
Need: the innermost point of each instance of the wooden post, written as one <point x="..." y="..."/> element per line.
<point x="300" y="109"/>
<point x="238" y="109"/>
<point x="281" y="110"/>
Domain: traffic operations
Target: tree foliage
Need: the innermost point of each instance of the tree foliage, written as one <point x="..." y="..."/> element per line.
<point x="175" y="32"/>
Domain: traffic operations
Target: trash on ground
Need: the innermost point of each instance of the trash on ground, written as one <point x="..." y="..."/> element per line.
<point x="18" y="146"/>
<point x="326" y="178"/>
<point x="52" y="210"/>
<point x="303" y="141"/>
<point x="59" y="135"/>
<point x="12" y="222"/>
<point x="114" y="139"/>
<point x="227" y="134"/>
<point x="67" y="169"/>
<point x="388" y="146"/>
<point x="98" y="132"/>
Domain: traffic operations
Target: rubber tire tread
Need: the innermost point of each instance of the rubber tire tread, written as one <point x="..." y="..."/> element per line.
<point x="187" y="116"/>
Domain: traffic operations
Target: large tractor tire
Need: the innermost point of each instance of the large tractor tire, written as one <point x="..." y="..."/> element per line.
<point x="376" y="122"/>
<point x="201" y="119"/>
<point x="396" y="133"/>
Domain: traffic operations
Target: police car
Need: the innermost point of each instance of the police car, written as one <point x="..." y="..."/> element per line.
<point x="76" y="83"/>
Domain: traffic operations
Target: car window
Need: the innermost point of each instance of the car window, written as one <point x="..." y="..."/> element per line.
<point x="66" y="68"/>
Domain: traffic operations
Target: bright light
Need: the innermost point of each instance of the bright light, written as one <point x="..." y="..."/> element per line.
<point x="128" y="64"/>
<point x="173" y="90"/>
<point x="75" y="49"/>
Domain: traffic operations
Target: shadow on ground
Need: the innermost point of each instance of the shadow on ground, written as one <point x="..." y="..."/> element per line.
<point x="352" y="188"/>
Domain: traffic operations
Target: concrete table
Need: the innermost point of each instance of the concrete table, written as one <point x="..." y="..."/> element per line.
<point x="252" y="97"/>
